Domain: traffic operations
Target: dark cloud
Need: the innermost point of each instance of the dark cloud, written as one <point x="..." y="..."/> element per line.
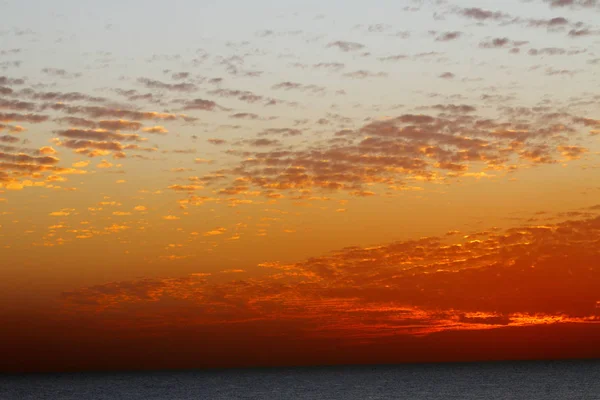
<point x="180" y="75"/>
<point x="216" y="141"/>
<point x="60" y="97"/>
<point x="98" y="134"/>
<point x="107" y="112"/>
<point x="454" y="108"/>
<point x="285" y="132"/>
<point x="299" y="86"/>
<point x="242" y="95"/>
<point x="549" y="23"/>
<point x="24" y="158"/>
<point x="362" y="74"/>
<point x="90" y="144"/>
<point x="397" y="57"/>
<point x="244" y="116"/>
<point x="581" y="4"/>
<point x="17" y="105"/>
<point x="31" y="118"/>
<point x="74" y="121"/>
<point x="500" y="42"/>
<point x="447" y="75"/>
<point x="480" y="14"/>
<point x="554" y="51"/>
<point x="583" y="32"/>
<point x="262" y="142"/>
<point x="346" y="46"/>
<point x="120" y="124"/>
<point x="413" y="146"/>
<point x="175" y="87"/>
<point x="447" y="36"/>
<point x="334" y="66"/>
<point x="9" y="139"/>
<point x="61" y="73"/>
<point x="6" y="81"/>
<point x="201" y="104"/>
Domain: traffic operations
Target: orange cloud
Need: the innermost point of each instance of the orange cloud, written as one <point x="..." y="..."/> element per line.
<point x="215" y="232"/>
<point x="104" y="164"/>
<point x="156" y="129"/>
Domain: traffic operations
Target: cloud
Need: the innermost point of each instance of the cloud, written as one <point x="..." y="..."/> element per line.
<point x="31" y="118"/>
<point x="410" y="146"/>
<point x="242" y="95"/>
<point x="482" y="15"/>
<point x="285" y="132"/>
<point x="362" y="74"/>
<point x="98" y="135"/>
<point x="14" y="129"/>
<point x="26" y="159"/>
<point x="397" y="57"/>
<point x="346" y="46"/>
<point x="16" y="105"/>
<point x="262" y="142"/>
<point x="10" y="81"/>
<point x="299" y="86"/>
<point x="61" y="73"/>
<point x="583" y="32"/>
<point x="216" y="141"/>
<point x="332" y="66"/>
<point x="161" y="130"/>
<point x="47" y="150"/>
<point x="83" y="146"/>
<point x="576" y="4"/>
<point x="9" y="139"/>
<point x="180" y="75"/>
<point x="553" y="51"/>
<point x="74" y="121"/>
<point x="496" y="43"/>
<point x="106" y="112"/>
<point x="176" y="87"/>
<point x="455" y="108"/>
<point x="201" y="104"/>
<point x="553" y="72"/>
<point x="119" y="125"/>
<point x="185" y="188"/>
<point x="181" y="151"/>
<point x="572" y="152"/>
<point x="244" y="116"/>
<point x="62" y="213"/>
<point x="59" y="97"/>
<point x="448" y="36"/>
<point x="121" y="213"/>
<point x="549" y="23"/>
<point x="104" y="164"/>
<point x="215" y="232"/>
<point x="524" y="276"/>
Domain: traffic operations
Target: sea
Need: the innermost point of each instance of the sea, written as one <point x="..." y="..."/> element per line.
<point x="568" y="380"/>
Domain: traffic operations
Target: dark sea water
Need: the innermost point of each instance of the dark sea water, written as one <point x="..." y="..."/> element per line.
<point x="506" y="380"/>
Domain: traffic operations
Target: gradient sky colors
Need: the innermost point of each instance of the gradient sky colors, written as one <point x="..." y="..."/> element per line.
<point x="226" y="183"/>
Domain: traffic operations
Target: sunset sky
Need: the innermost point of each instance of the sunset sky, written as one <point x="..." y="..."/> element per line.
<point x="236" y="183"/>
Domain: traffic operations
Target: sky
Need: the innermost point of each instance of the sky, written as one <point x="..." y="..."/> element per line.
<point x="192" y="184"/>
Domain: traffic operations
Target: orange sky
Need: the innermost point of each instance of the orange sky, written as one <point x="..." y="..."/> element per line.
<point x="310" y="184"/>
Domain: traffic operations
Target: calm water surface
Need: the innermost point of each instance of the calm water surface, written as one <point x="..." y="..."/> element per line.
<point x="519" y="380"/>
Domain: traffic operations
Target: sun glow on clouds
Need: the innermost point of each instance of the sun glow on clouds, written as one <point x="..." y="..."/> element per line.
<point x="476" y="179"/>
